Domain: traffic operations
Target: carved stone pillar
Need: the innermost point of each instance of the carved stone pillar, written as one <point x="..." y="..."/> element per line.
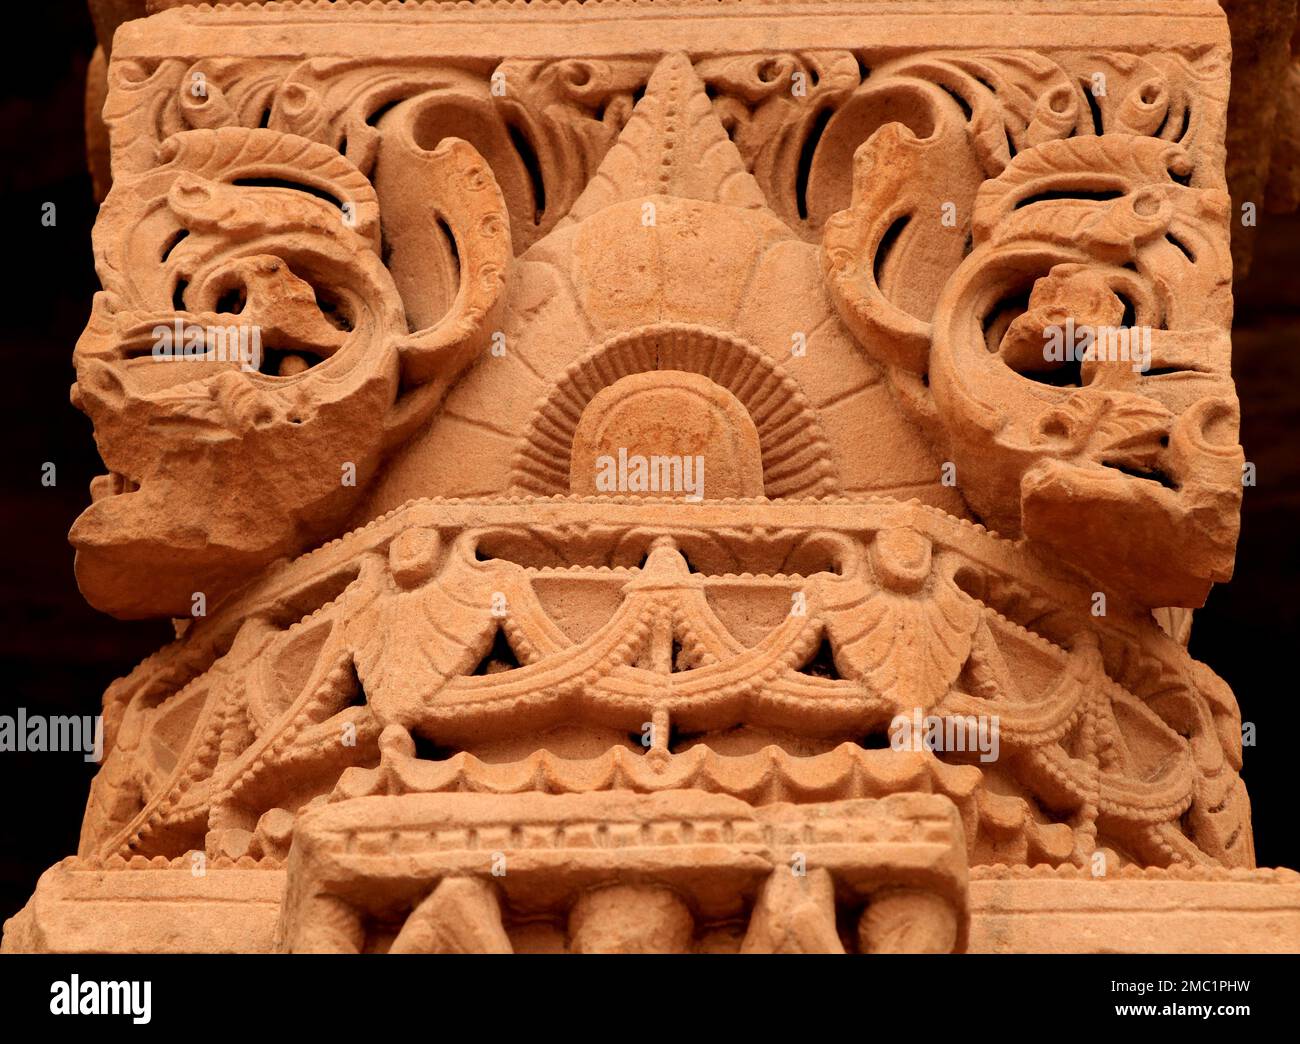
<point x="724" y="477"/>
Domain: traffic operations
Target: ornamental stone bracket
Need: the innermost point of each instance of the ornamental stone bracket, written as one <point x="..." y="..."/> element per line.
<point x="624" y="873"/>
<point x="648" y="491"/>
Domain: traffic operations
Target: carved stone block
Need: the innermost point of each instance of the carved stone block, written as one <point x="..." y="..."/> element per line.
<point x="659" y="477"/>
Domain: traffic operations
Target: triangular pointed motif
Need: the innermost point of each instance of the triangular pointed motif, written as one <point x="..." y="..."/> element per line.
<point x="670" y="646"/>
<point x="686" y="635"/>
<point x="499" y="657"/>
<point x="673" y="145"/>
<point x="821" y="664"/>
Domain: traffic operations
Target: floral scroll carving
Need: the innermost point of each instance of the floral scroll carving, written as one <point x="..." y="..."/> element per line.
<point x="1122" y="462"/>
<point x="230" y="232"/>
<point x="475" y="268"/>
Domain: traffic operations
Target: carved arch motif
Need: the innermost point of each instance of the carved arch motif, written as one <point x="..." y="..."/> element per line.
<point x="796" y="457"/>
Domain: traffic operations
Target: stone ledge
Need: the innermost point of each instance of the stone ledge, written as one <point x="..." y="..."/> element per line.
<point x="147" y="911"/>
<point x="1158" y="915"/>
<point x="171" y="911"/>
<point x="567" y="30"/>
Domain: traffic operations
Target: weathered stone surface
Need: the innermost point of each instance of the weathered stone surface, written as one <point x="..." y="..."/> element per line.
<point x="667" y="501"/>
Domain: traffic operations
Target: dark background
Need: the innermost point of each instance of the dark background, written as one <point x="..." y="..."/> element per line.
<point x="59" y="655"/>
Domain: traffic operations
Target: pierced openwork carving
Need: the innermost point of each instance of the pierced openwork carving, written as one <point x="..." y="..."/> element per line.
<point x="464" y="696"/>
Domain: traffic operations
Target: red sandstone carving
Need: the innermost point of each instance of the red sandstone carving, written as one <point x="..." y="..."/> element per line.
<point x="610" y="513"/>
